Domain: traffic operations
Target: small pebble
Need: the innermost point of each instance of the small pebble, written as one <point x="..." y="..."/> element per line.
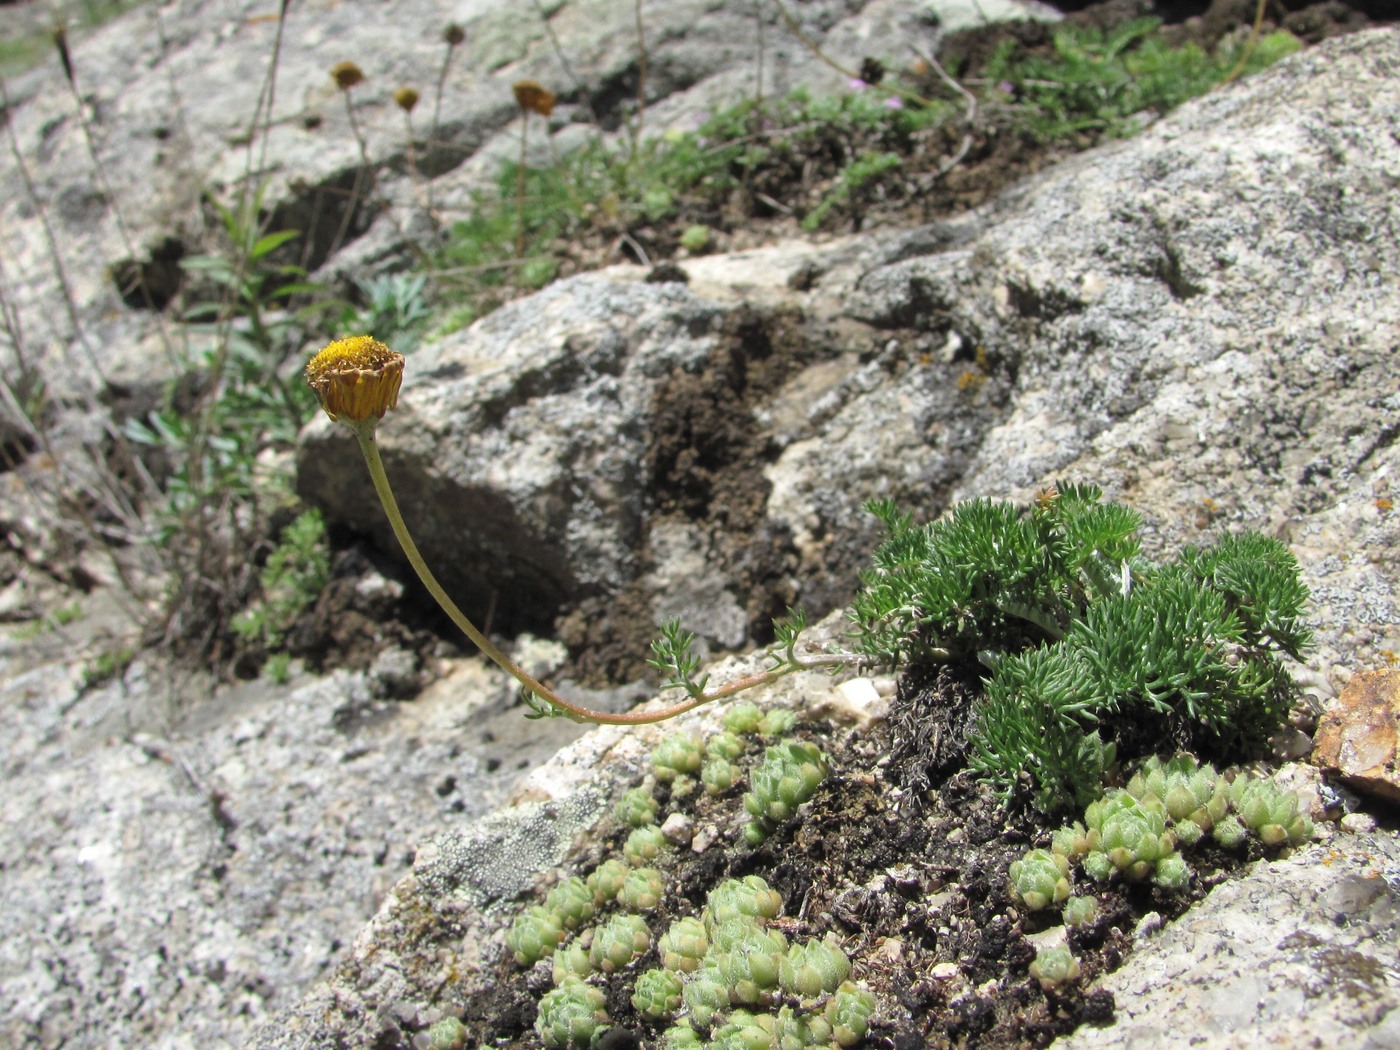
<point x="704" y="838"/>
<point x="1358" y="823"/>
<point x="1147" y="926"/>
<point x="678" y="828"/>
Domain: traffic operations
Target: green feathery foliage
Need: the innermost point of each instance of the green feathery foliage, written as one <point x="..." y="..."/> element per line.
<point x="1094" y="653"/>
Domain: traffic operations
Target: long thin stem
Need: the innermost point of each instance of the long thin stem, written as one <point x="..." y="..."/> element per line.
<point x="364" y="432"/>
<point x="1253" y="39"/>
<point x="520" y="187"/>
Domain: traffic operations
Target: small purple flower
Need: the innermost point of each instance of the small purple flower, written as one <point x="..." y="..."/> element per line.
<point x="858" y="85"/>
<point x="894" y="102"/>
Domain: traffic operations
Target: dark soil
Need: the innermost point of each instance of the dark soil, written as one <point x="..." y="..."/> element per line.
<point x="912" y="879"/>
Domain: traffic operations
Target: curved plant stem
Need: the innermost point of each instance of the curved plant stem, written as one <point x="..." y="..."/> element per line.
<point x="364" y="433"/>
<point x="1253" y="39"/>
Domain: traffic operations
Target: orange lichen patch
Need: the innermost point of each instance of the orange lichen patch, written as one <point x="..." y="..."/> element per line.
<point x="970" y="380"/>
<point x="1359" y="736"/>
<point x="533" y="96"/>
<point x="1384" y="504"/>
<point x="356" y="379"/>
<point x="346" y="75"/>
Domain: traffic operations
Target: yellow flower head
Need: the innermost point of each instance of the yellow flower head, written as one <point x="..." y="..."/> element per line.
<point x="534" y="96"/>
<point x="356" y="378"/>
<point x="406" y="98"/>
<point x="346" y="75"/>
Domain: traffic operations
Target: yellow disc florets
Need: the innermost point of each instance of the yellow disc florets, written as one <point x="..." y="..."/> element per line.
<point x="356" y="379"/>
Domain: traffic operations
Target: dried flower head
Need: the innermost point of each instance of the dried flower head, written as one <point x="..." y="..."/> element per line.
<point x="533" y="96"/>
<point x="453" y="34"/>
<point x="346" y="75"/>
<point x="406" y="98"/>
<point x="356" y="378"/>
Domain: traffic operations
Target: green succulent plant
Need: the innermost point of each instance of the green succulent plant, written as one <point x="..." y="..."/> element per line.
<point x="743" y="1030"/>
<point x="1098" y="867"/>
<point x="681" y="1037"/>
<point x="1172" y="873"/>
<point x="1130" y="832"/>
<point x="572" y="901"/>
<point x="618" y="941"/>
<point x="678" y="754"/>
<point x="743" y="718"/>
<point x="1229" y="832"/>
<point x="719" y="775"/>
<point x="642" y="889"/>
<point x="636" y="808"/>
<point x="848" y="1012"/>
<point x="726" y="745"/>
<point x="657" y="994"/>
<point x="1040" y="879"/>
<point x="705" y="994"/>
<point x="644" y="845"/>
<point x="535" y="934"/>
<point x="447" y="1034"/>
<point x="748" y="898"/>
<point x="572" y="960"/>
<point x="571" y="1016"/>
<point x="683" y="945"/>
<point x="1167" y="805"/>
<point x="813" y="968"/>
<point x="796" y="1030"/>
<point x="1181" y="783"/>
<point x="788" y="776"/>
<point x="749" y="960"/>
<point x="1071" y="841"/>
<point x="1081" y="911"/>
<point x="1054" y="966"/>
<point x="1269" y="812"/>
<point x="606" y="880"/>
<point x="776" y="722"/>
